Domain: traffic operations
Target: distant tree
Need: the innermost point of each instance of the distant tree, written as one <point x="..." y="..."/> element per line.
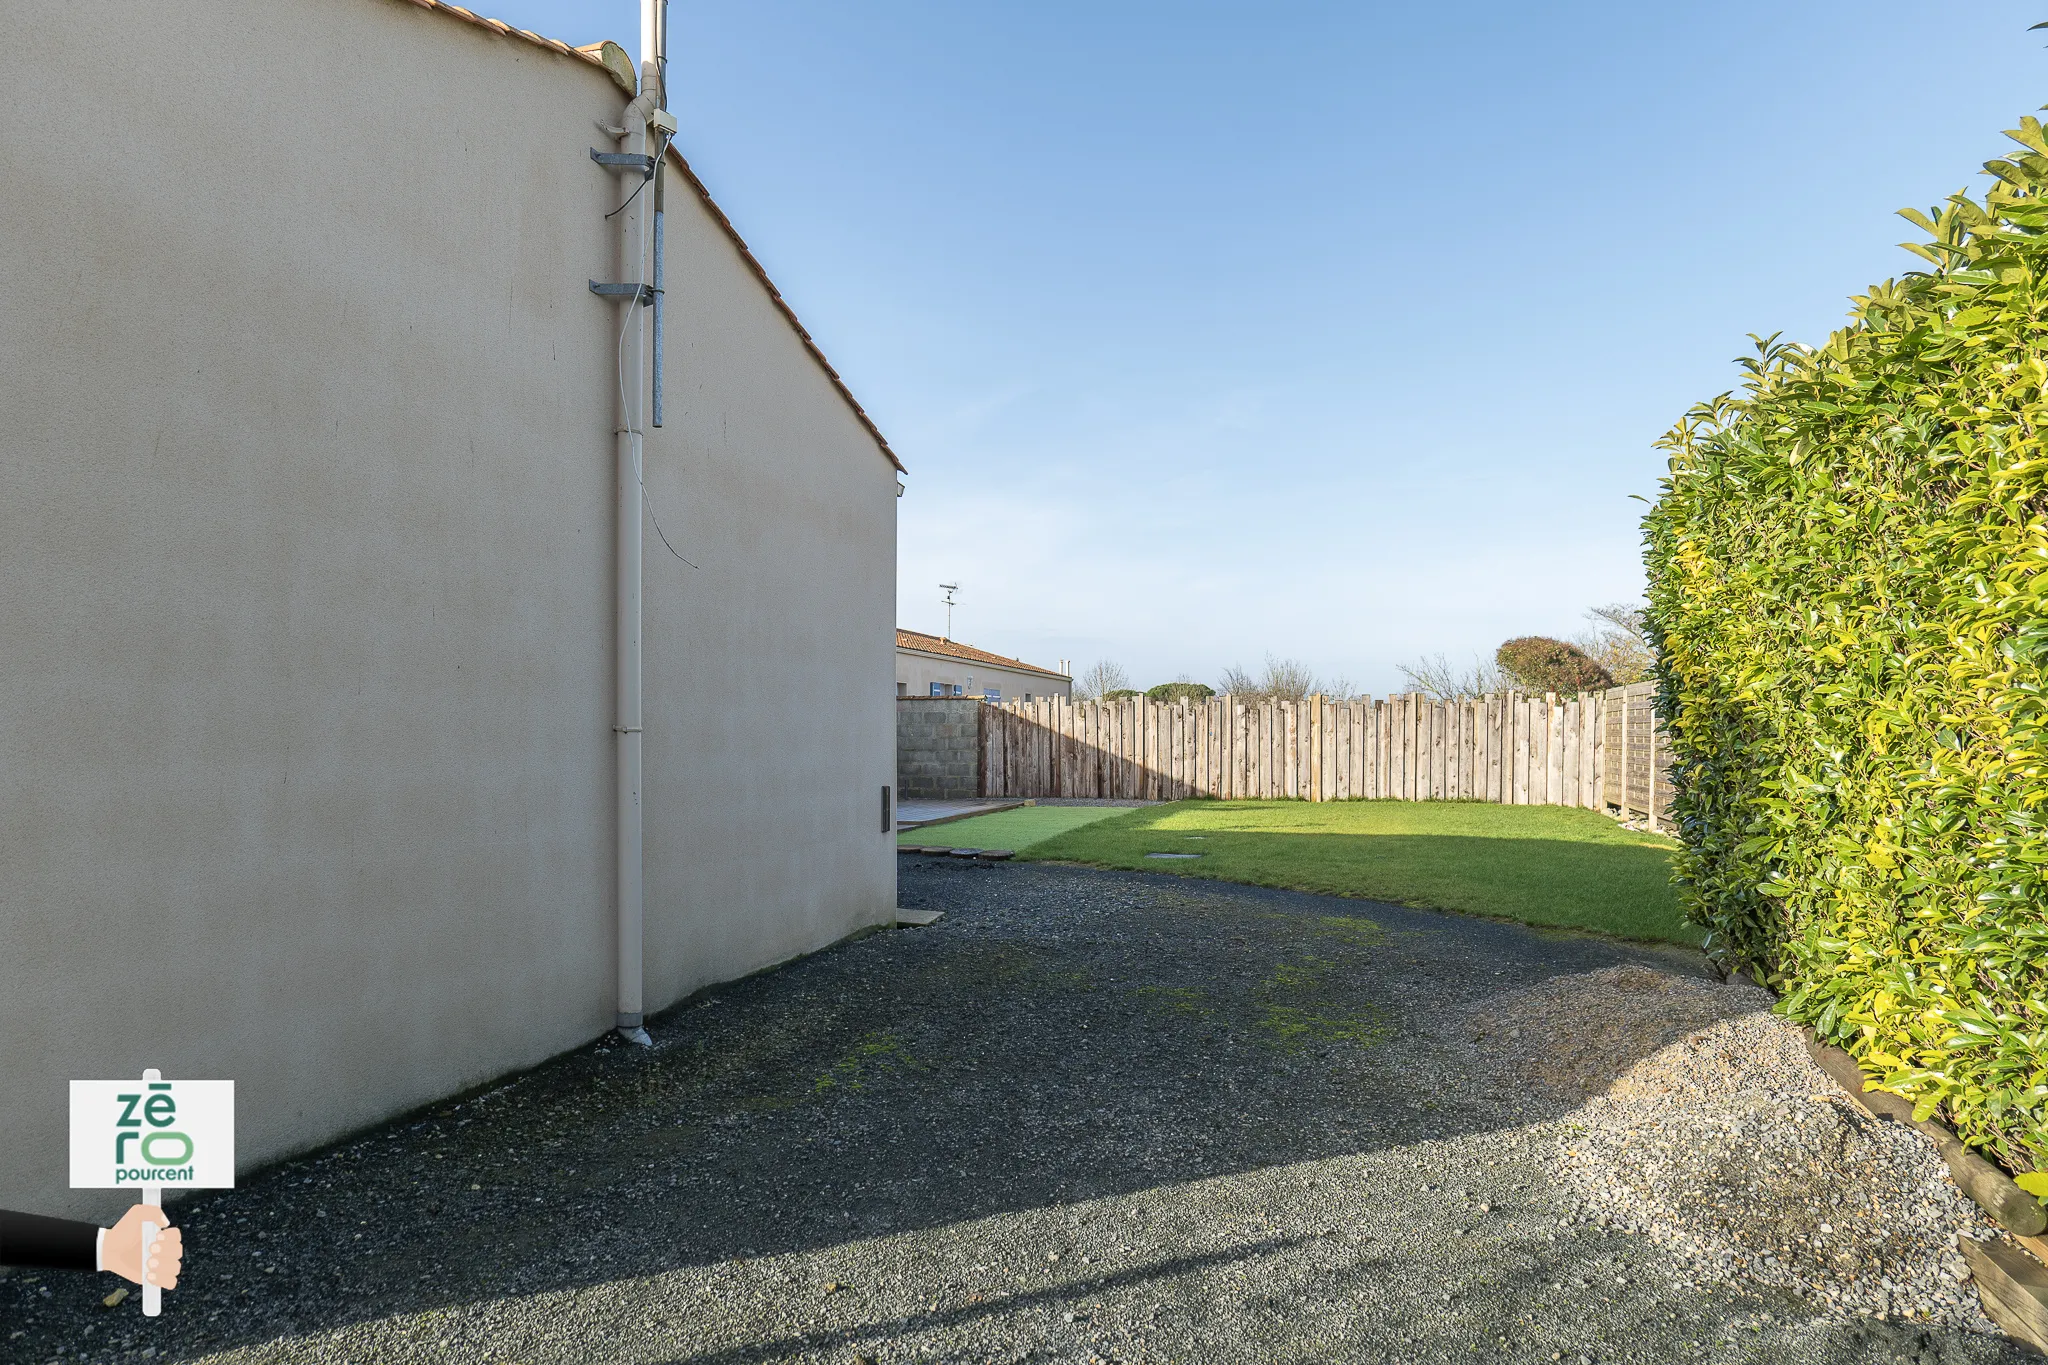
<point x="1440" y="679"/>
<point x="1119" y="693"/>
<point x="1102" y="678"/>
<point x="1620" y="615"/>
<point x="1180" y="689"/>
<point x="1619" y="641"/>
<point x="1287" y="680"/>
<point x="1536" y="663"/>
<point x="1283" y="680"/>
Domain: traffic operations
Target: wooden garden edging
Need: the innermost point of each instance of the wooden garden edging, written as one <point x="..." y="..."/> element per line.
<point x="2012" y="1284"/>
<point x="2013" y="1288"/>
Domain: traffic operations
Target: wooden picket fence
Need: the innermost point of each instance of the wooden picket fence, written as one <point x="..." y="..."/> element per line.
<point x="1594" y="750"/>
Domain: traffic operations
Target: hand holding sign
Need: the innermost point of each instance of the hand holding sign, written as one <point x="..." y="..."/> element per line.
<point x="122" y="1251"/>
<point x="148" y="1134"/>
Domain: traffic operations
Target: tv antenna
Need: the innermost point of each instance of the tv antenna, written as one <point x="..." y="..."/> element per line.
<point x="950" y="588"/>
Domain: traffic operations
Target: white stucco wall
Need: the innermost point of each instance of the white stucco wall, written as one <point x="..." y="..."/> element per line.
<point x="305" y="585"/>
<point x="917" y="671"/>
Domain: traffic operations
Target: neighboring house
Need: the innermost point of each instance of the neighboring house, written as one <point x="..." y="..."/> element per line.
<point x="932" y="666"/>
<point x="308" y="719"/>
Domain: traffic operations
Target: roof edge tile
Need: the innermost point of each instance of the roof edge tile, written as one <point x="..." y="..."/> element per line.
<point x="919" y="642"/>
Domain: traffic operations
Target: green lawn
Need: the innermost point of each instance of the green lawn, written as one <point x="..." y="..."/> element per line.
<point x="1013" y="829"/>
<point x="1544" y="865"/>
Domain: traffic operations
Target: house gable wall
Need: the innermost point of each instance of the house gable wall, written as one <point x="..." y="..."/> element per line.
<point x="305" y="578"/>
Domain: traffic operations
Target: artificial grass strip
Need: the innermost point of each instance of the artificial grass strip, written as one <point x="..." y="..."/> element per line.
<point x="1541" y="865"/>
<point x="1013" y="829"/>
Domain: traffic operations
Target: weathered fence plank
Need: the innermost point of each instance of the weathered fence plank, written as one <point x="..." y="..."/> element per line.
<point x="1603" y="750"/>
<point x="1553" y="750"/>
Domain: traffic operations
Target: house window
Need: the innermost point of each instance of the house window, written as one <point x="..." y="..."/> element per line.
<point x="903" y="689"/>
<point x="1027" y="696"/>
<point x="938" y="689"/>
<point x="992" y="694"/>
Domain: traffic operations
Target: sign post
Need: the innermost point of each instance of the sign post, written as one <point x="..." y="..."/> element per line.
<point x="149" y="1134"/>
<point x="152" y="1295"/>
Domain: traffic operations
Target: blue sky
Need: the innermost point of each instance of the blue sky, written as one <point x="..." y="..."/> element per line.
<point x="1338" y="332"/>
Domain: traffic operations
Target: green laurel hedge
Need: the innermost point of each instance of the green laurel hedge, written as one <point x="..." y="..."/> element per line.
<point x="1849" y="591"/>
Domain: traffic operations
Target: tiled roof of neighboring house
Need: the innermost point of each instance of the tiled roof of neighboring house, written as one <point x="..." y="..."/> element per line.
<point x="934" y="644"/>
<point x="611" y="59"/>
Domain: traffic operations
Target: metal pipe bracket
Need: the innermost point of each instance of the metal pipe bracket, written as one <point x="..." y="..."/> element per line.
<point x="624" y="161"/>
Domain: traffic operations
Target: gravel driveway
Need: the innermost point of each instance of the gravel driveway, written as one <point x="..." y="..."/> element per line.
<point x="1087" y="1116"/>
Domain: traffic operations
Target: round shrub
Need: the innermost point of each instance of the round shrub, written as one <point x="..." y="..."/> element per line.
<point x="1537" y="663"/>
<point x="1180" y="691"/>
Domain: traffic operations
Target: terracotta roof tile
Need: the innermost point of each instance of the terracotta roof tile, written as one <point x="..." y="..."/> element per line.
<point x="952" y="649"/>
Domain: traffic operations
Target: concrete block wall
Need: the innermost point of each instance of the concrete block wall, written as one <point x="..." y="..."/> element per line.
<point x="938" y="747"/>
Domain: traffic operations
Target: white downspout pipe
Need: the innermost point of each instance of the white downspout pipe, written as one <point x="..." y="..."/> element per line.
<point x="632" y="402"/>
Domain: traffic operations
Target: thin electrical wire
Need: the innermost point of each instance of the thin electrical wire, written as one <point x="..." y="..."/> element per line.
<point x="648" y="502"/>
<point x="639" y="463"/>
<point x="659" y="153"/>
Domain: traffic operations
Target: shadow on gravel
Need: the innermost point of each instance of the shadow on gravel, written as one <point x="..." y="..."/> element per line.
<point x="915" y="1324"/>
<point x="1061" y="1035"/>
<point x="1458" y="1323"/>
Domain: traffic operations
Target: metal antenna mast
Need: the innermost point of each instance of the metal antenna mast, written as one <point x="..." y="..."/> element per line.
<point x="950" y="588"/>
